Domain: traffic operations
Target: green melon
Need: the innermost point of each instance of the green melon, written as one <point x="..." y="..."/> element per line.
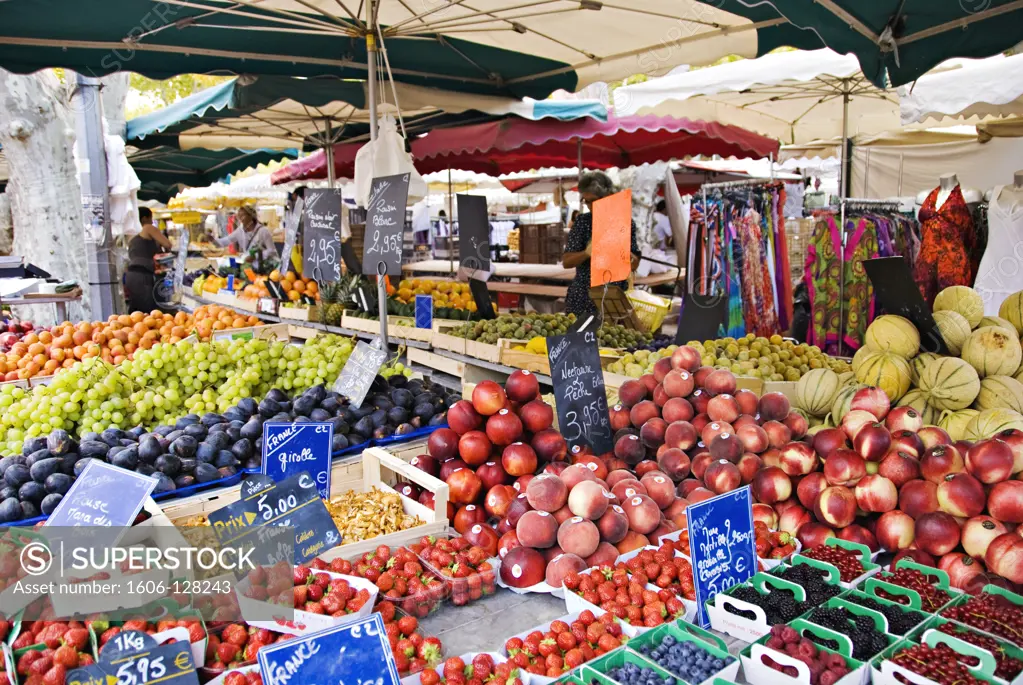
<point x="993" y="351"/>
<point x="954" y="328"/>
<point x="992" y="421"/>
<point x="955" y="422"/>
<point x="887" y="371"/>
<point x="950" y="383"/>
<point x="895" y="334"/>
<point x="961" y="299"/>
<point x="1000" y="391"/>
<point x="917" y="364"/>
<point x="816" y="390"/>
<point x="918" y="400"/>
<point x="1012" y="311"/>
<point x="998" y="322"/>
<point x="840" y="405"/>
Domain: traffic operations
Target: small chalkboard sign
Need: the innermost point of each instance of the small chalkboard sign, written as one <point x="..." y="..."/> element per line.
<point x="424" y="311"/>
<point x="294" y="503"/>
<point x="481" y="296"/>
<point x="579" y="393"/>
<point x="289" y="448"/>
<point x="473" y="234"/>
<point x="103" y="495"/>
<point x="721" y="545"/>
<point x="385" y="224"/>
<point x="897" y="293"/>
<point x="357" y="652"/>
<point x="321" y="253"/>
<point x="134" y="658"/>
<point x="275" y="289"/>
<point x="702" y="318"/>
<point x="360" y="370"/>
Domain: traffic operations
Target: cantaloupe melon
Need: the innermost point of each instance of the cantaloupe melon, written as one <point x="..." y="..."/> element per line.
<point x="955" y="422"/>
<point x="840" y="405"/>
<point x="816" y="390"/>
<point x="961" y="299"/>
<point x="918" y="400"/>
<point x="859" y="356"/>
<point x="1000" y="391"/>
<point x="950" y="383"/>
<point x="998" y="322"/>
<point x="1011" y="310"/>
<point x="991" y="421"/>
<point x="887" y="371"/>
<point x="917" y="364"/>
<point x="895" y="334"/>
<point x="954" y="328"/>
<point x="993" y="351"/>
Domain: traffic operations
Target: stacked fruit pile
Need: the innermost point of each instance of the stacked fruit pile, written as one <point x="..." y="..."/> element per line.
<point x="564" y="646"/>
<point x="530" y="326"/>
<point x="451" y="300"/>
<point x="687" y="660"/>
<point x="991" y="613"/>
<point x="625" y="597"/>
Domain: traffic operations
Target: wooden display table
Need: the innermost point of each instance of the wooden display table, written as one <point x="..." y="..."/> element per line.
<point x="554" y="272"/>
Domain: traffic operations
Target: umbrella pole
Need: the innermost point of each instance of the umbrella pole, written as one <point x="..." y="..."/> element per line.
<point x="371" y="89"/>
<point x="843" y="177"/>
<point x="331" y="173"/>
<point x="579" y="156"/>
<point x="451" y="231"/>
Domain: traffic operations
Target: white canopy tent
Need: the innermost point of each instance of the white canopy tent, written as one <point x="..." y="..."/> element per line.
<point x="970" y="90"/>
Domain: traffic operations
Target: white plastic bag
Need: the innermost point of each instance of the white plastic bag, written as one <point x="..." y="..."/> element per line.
<point x="386" y="156"/>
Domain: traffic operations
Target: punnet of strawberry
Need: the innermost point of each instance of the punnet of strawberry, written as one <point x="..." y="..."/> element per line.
<point x="55" y="648"/>
<point x="401" y="578"/>
<point x="611" y="589"/>
<point x="251" y="677"/>
<point x="412" y="651"/>
<point x="661" y="567"/>
<point x="480" y="669"/>
<point x="237" y="645"/>
<point x="320" y="593"/>
<point x="465" y="567"/>
<point x="106" y="630"/>
<point x="564" y="646"/>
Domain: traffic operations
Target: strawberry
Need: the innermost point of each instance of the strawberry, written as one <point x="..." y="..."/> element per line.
<point x="301" y="593"/>
<point x="236" y="634"/>
<point x="429" y="677"/>
<point x="235" y="678"/>
<point x="251" y="651"/>
<point x="55" y="676"/>
<point x="227" y="652"/>
<point x="195" y="632"/>
<point x="386" y="610"/>
<point x="313" y="607"/>
<point x="77" y="638"/>
<point x="454" y="667"/>
<point x="430" y="650"/>
<point x="482" y="666"/>
<point x="301" y="575"/>
<point x="408" y="625"/>
<point x="66" y="656"/>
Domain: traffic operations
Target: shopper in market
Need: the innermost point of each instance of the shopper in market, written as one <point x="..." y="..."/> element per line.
<point x="140" y="278"/>
<point x="252" y="235"/>
<point x="593" y="186"/>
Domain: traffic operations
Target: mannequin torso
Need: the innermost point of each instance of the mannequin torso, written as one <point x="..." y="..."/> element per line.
<point x="946" y="183"/>
<point x="1011" y="196"/>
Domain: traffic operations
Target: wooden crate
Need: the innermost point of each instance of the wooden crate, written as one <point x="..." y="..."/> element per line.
<point x="523" y="359"/>
<point x="435" y="361"/>
<point x="311" y="313"/>
<point x="277" y="331"/>
<point x="443" y="339"/>
<point x="400" y="327"/>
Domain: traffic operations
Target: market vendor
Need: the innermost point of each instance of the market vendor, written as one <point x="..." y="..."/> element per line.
<point x="593" y="186"/>
<point x="140" y="277"/>
<point x="252" y="235"/>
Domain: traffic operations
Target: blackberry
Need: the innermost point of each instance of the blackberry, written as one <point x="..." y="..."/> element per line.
<point x="818" y="591"/>
<point x="780" y="606"/>
<point x="900" y="621"/>
<point x="866" y="639"/>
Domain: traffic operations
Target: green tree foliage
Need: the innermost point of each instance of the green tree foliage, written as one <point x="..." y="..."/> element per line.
<point x="153" y="95"/>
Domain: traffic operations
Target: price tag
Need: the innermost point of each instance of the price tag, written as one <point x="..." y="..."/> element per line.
<point x="360" y="370"/>
<point x="579" y="392"/>
<point x="293" y="503"/>
<point x="481" y="296"/>
<point x="103" y="495"/>
<point x="897" y="293"/>
<point x="385" y="224"/>
<point x="473" y="235"/>
<point x="357" y="653"/>
<point x="721" y="545"/>
<point x="610" y="258"/>
<point x="138" y="660"/>
<point x="321" y="242"/>
<point x="289" y="448"/>
<point x="424" y="311"/>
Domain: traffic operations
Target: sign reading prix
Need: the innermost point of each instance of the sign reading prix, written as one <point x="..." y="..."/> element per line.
<point x="357" y="653"/>
<point x="290" y="448"/>
<point x="721" y="545"/>
<point x="579" y="391"/>
<point x="134" y="658"/>
<point x="321" y="218"/>
<point x="103" y="495"/>
<point x="385" y="224"/>
<point x="293" y="503"/>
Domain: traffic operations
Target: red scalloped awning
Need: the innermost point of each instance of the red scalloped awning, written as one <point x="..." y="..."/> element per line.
<point x="512" y="145"/>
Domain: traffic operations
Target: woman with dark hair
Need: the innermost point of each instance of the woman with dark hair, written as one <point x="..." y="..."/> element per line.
<point x="593" y="186"/>
<point x="140" y="277"/>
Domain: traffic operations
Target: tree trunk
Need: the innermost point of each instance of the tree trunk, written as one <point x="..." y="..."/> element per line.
<point x="37" y="135"/>
<point x="114" y="94"/>
<point x="6" y="225"/>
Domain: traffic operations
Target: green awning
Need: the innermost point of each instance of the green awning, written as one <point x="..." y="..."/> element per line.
<point x="164" y="171"/>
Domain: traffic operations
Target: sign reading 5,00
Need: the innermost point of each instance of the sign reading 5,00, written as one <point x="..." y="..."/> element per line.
<point x="579" y="391"/>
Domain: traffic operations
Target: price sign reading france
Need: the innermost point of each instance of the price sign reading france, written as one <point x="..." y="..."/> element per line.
<point x="290" y="448"/>
<point x="579" y="392"/>
<point x="721" y="545"/>
<point x="385" y="224"/>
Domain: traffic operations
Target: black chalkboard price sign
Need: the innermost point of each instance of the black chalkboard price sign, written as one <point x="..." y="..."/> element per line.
<point x="579" y="391"/>
<point x="385" y="224"/>
<point x="321" y="244"/>
<point x="473" y="234"/>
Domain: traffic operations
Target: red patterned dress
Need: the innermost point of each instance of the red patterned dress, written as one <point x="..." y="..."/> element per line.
<point x="947" y="238"/>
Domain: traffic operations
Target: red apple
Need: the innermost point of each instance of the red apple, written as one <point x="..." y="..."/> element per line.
<point x="904" y="419"/>
<point x="521" y="386"/>
<point x="537" y="529"/>
<point x="498" y="500"/>
<point x="941" y="461"/>
<point x="908" y="442"/>
<point x="978" y="532"/>
<point x="679" y="383"/>
<point x="895" y="530"/>
<point x="812" y="535"/>
<point x="860" y="535"/>
<point x="722" y="476"/>
<point x="899" y="467"/>
<point x="561" y="566"/>
<point x="1005" y="557"/>
<point x="632" y="393"/>
<point x="877" y="494"/>
<point x="844" y="467"/>
<point x="798" y="458"/>
<point x="488" y="398"/>
<point x="961" y="569"/>
<point x="961" y="495"/>
<point x="427" y="464"/>
<point x="810" y="487"/>
<point x="937" y="533"/>
<point x="519" y="459"/>
<point x="749" y="464"/>
<point x="523" y="567"/>
<point x="872" y="442"/>
<point x="990" y="461"/>
<point x="1005" y="502"/>
<point x="836" y="506"/>
<point x="463" y="417"/>
<point x="644" y="514"/>
<point x="463" y="486"/>
<point x="873" y="400"/>
<point x="932" y="436"/>
<point x="771" y="485"/>
<point x="578" y="536"/>
<point x="828" y="440"/>
<point x="918" y="497"/>
<point x="766" y="514"/>
<point x="547" y="492"/>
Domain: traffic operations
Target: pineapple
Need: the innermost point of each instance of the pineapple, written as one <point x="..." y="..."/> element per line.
<point x="331" y="303"/>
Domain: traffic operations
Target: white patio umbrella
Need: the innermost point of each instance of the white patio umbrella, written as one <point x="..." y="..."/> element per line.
<point x="970" y="90"/>
<point x="795" y="96"/>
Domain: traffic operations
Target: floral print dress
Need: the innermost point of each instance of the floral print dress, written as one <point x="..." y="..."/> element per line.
<point x="947" y="240"/>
